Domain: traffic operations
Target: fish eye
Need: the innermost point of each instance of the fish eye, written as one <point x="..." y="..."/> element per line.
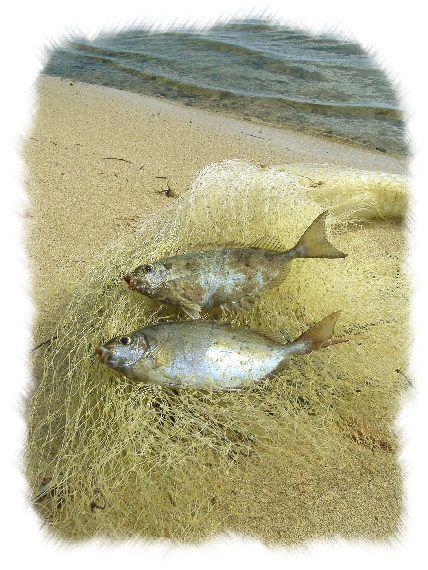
<point x="148" y="268"/>
<point x="125" y="340"/>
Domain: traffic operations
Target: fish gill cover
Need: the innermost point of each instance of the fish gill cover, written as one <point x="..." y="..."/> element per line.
<point x="110" y="457"/>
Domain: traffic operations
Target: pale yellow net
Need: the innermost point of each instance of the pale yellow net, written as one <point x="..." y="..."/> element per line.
<point x="126" y="460"/>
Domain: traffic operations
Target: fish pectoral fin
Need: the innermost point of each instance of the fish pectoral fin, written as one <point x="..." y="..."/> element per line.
<point x="192" y="310"/>
<point x="268" y="242"/>
<point x="160" y="355"/>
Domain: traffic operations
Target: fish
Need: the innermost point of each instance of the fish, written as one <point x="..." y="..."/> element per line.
<point x="231" y="276"/>
<point x="207" y="354"/>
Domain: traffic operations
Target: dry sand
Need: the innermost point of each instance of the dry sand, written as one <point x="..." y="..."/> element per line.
<point x="98" y="160"/>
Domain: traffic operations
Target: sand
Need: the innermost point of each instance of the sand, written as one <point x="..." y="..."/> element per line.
<point x="99" y="160"/>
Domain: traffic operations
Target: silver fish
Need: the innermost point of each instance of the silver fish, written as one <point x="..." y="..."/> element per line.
<point x="206" y="354"/>
<point x="226" y="276"/>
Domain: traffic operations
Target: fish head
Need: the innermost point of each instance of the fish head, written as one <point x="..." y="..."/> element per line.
<point x="148" y="277"/>
<point x="124" y="352"/>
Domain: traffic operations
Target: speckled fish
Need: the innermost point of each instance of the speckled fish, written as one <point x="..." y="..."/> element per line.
<point x="206" y="354"/>
<point x="228" y="276"/>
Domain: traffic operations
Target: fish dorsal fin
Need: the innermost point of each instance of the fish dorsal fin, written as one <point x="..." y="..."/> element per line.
<point x="274" y="336"/>
<point x="195" y="247"/>
<point x="267" y="242"/>
<point x="263" y="242"/>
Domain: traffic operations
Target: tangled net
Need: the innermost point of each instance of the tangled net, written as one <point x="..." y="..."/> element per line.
<point x="109" y="457"/>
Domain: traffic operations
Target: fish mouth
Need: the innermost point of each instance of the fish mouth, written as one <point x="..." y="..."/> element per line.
<point x="103" y="353"/>
<point x="130" y="281"/>
<point x="133" y="284"/>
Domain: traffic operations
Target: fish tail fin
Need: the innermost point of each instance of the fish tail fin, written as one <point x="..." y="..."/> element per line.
<point x="314" y="242"/>
<point x="317" y="337"/>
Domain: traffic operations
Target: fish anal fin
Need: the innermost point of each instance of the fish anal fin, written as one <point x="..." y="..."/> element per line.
<point x="285" y="363"/>
<point x="279" y="278"/>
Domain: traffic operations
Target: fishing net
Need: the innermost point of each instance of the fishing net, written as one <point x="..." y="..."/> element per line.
<point x="299" y="456"/>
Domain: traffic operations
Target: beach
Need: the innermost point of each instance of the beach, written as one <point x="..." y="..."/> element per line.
<point x="100" y="159"/>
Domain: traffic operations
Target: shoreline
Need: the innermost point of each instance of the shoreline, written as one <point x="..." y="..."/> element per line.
<point x="328" y="149"/>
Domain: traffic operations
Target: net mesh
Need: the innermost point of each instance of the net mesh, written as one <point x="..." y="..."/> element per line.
<point x="109" y="457"/>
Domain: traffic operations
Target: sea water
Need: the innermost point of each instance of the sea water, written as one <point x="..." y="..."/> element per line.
<point x="315" y="83"/>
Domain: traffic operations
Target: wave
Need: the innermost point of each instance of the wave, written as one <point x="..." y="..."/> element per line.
<point x="295" y="66"/>
<point x="193" y="88"/>
<point x="255" y="70"/>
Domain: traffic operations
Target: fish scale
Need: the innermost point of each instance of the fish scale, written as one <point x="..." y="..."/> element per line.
<point x="225" y="276"/>
<point x="206" y="354"/>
